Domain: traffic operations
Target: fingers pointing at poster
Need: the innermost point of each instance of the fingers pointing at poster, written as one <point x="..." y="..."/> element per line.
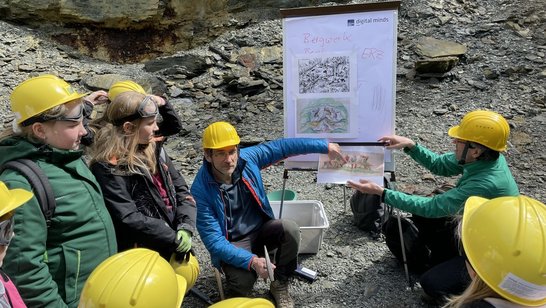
<point x="334" y="152"/>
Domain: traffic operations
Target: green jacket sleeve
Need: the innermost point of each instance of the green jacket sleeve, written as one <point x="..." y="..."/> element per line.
<point x="26" y="258"/>
<point x="446" y="204"/>
<point x="444" y="165"/>
<point x="488" y="184"/>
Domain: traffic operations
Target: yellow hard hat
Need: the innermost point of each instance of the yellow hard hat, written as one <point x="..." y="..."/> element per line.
<point x="39" y="94"/>
<point x="134" y="278"/>
<point x="219" y="135"/>
<point x="12" y="198"/>
<point x="244" y="302"/>
<point x="505" y="242"/>
<point x="124" y="86"/>
<point x="487" y="128"/>
<point x="187" y="269"/>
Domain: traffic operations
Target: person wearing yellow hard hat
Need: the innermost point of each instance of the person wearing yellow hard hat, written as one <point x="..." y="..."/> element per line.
<point x="148" y="199"/>
<point x="478" y="141"/>
<point x="234" y="217"/>
<point x="168" y="122"/>
<point x="504" y="242"/>
<point x="11" y="199"/>
<point x="50" y="263"/>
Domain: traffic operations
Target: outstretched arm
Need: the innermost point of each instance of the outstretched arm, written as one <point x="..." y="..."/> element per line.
<point x="395" y="142"/>
<point x="367" y="187"/>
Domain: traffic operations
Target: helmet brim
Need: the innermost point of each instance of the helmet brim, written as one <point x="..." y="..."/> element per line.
<point x="182" y="286"/>
<point x="74" y="96"/>
<point x="18" y="197"/>
<point x="453" y="132"/>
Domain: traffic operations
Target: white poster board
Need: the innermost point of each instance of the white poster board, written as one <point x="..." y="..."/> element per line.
<point x="340" y="75"/>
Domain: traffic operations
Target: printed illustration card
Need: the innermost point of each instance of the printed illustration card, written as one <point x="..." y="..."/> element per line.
<point x="361" y="162"/>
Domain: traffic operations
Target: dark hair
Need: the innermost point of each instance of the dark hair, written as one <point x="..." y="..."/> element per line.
<point x="487" y="154"/>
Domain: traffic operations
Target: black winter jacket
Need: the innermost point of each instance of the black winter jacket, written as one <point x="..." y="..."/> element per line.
<point x="140" y="216"/>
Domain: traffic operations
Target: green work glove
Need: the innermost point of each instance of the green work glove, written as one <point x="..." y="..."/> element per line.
<point x="185" y="240"/>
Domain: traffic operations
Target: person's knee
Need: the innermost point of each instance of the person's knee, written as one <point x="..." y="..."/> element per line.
<point x="240" y="283"/>
<point x="291" y="231"/>
<point x="445" y="279"/>
<point x="429" y="284"/>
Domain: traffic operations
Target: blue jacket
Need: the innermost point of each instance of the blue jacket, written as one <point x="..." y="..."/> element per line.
<point x="211" y="218"/>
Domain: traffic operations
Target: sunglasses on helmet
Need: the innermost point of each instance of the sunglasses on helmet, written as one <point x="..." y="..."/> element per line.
<point x="6" y="231"/>
<point x="141" y="112"/>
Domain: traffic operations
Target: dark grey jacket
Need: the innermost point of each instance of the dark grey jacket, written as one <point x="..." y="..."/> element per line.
<point x="140" y="216"/>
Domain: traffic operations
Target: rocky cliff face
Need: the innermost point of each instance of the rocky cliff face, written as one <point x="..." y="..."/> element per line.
<point x="136" y="30"/>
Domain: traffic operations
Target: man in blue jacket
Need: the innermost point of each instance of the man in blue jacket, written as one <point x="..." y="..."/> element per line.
<point x="234" y="218"/>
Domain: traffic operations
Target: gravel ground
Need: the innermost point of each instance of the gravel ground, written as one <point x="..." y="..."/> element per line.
<point x="503" y="70"/>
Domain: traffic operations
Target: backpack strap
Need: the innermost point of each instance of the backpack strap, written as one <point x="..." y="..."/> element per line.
<point x="39" y="183"/>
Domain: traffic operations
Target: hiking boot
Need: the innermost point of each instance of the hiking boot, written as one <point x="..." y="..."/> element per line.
<point x="279" y="291"/>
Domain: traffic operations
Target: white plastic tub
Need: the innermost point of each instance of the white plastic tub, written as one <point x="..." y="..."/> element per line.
<point x="310" y="216"/>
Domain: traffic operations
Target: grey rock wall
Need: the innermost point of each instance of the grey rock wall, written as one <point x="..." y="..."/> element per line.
<point x="138" y="30"/>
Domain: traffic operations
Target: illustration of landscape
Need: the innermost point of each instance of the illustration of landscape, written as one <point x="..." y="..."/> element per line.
<point x="322" y="116"/>
<point x="367" y="163"/>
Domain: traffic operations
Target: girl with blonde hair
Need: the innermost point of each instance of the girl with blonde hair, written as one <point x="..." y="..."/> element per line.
<point x="148" y="199"/>
<point x="504" y="241"/>
<point x="50" y="263"/>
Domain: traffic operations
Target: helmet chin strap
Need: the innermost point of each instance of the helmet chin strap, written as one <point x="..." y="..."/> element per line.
<point x="462" y="161"/>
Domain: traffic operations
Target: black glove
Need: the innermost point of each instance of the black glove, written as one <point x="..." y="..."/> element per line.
<point x="183" y="256"/>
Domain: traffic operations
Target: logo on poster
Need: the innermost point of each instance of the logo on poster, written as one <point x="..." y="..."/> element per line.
<point x="363" y="21"/>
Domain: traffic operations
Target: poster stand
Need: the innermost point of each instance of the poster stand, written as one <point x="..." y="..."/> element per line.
<point x="362" y="95"/>
<point x="339" y="78"/>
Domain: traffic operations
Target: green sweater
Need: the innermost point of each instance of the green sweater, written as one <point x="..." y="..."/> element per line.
<point x="50" y="266"/>
<point x="487" y="179"/>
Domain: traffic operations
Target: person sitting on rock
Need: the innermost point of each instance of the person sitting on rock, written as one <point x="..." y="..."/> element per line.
<point x="234" y="217"/>
<point x="504" y="244"/>
<point x="478" y="140"/>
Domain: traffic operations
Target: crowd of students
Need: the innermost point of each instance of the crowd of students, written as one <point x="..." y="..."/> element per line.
<point x="130" y="207"/>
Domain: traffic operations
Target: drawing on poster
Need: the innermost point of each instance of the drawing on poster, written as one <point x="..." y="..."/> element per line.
<point x="325" y="74"/>
<point x="324" y="116"/>
<point x="362" y="162"/>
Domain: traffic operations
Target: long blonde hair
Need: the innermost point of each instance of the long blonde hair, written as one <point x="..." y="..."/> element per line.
<point x="114" y="145"/>
<point x="26" y="132"/>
